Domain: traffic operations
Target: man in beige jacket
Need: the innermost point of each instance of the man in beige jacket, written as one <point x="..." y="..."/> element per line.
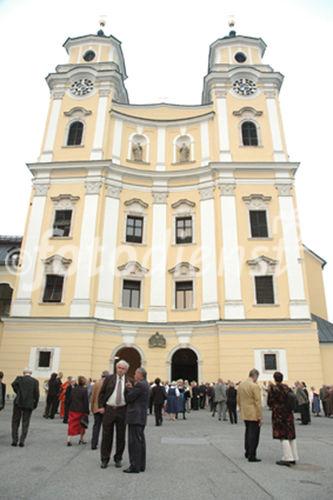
<point x="96" y="410"/>
<point x="249" y="402"/>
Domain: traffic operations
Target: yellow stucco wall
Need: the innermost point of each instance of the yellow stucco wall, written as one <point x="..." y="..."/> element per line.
<point x="326" y="352"/>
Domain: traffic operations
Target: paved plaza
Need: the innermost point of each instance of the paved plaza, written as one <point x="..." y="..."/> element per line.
<point x="200" y="458"/>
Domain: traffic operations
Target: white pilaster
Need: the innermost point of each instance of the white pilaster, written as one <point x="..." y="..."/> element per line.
<point x="157" y="308"/>
<point x="205" y="155"/>
<point x="298" y="306"/>
<point x="22" y="304"/>
<point x="233" y="307"/>
<point x="105" y="301"/>
<point x="117" y="138"/>
<point x="209" y="307"/>
<point x="274" y="122"/>
<point x="80" y="306"/>
<point x="47" y="153"/>
<point x="160" y="164"/>
<point x="224" y="144"/>
<point x="97" y="150"/>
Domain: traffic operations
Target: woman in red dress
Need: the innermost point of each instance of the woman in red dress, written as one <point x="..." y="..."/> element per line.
<point x="283" y="419"/>
<point x="78" y="412"/>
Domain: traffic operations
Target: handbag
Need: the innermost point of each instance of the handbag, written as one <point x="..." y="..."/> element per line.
<point x="84" y="421"/>
<point x="292" y="401"/>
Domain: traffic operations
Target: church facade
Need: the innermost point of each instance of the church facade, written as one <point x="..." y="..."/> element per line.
<point x="165" y="234"/>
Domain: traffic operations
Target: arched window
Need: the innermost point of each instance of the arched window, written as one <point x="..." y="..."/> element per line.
<point x="75" y="134"/>
<point x="249" y="134"/>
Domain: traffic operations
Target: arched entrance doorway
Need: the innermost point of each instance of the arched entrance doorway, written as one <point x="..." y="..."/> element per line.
<point x="6" y="293"/>
<point x="184" y="364"/>
<point x="132" y="356"/>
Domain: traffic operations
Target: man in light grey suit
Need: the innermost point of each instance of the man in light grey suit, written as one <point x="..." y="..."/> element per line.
<point x="220" y="399"/>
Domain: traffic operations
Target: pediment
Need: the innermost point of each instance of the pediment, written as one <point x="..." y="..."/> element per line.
<point x="263" y="264"/>
<point x="183" y="269"/>
<point x="78" y="111"/>
<point x="247" y="110"/>
<point x="132" y="268"/>
<point x="136" y="204"/>
<point x="183" y="205"/>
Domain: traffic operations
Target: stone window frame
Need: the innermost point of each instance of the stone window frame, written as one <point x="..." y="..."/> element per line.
<point x="264" y="266"/>
<point x="183" y="208"/>
<point x="281" y="362"/>
<point x="57" y="265"/>
<point x="257" y="201"/>
<point x="76" y="114"/>
<point x="184" y="271"/>
<point x="64" y="202"/>
<point x="137" y="208"/>
<point x="41" y="372"/>
<point x="132" y="271"/>
<point x="248" y="114"/>
<point x="146" y="159"/>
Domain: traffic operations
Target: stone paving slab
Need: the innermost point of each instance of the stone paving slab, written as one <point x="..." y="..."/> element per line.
<point x="200" y="458"/>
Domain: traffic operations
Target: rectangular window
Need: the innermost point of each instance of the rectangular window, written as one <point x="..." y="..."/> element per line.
<point x="184" y="295"/>
<point x="62" y="223"/>
<point x="44" y="359"/>
<point x="184" y="232"/>
<point x="134" y="229"/>
<point x="264" y="289"/>
<point x="258" y="219"/>
<point x="270" y="362"/>
<point x="53" y="288"/>
<point x="131" y="293"/>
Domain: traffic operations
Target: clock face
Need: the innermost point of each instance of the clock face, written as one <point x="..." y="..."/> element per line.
<point x="244" y="87"/>
<point x="81" y="87"/>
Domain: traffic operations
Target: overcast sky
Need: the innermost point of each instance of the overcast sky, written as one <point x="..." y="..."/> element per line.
<point x="165" y="44"/>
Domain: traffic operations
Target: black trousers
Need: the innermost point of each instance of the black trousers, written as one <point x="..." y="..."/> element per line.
<point x="232" y="409"/>
<point x="158" y="413"/>
<point x="18" y="414"/>
<point x="52" y="402"/>
<point x="137" y="447"/>
<point x="113" y="418"/>
<point x="98" y="420"/>
<point x="252" y="433"/>
<point x="305" y="413"/>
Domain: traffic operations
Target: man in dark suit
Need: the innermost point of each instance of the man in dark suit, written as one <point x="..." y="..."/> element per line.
<point x="2" y="392"/>
<point x="158" y="396"/>
<point x="112" y="403"/>
<point x="137" y="399"/>
<point x="26" y="389"/>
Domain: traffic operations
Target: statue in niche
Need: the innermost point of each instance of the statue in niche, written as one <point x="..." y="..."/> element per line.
<point x="137" y="151"/>
<point x="184" y="152"/>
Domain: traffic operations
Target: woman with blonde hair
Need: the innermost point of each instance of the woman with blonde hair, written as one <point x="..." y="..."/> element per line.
<point x="172" y="401"/>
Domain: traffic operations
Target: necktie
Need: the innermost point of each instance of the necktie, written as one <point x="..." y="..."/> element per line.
<point x="118" y="394"/>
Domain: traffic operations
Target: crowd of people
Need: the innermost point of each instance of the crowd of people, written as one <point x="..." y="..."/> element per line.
<point x="117" y="402"/>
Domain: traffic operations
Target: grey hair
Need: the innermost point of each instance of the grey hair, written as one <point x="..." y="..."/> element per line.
<point x="143" y="372"/>
<point x="254" y="373"/>
<point x="124" y="363"/>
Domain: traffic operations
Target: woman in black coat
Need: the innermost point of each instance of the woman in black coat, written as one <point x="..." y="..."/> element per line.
<point x="232" y="403"/>
<point x="78" y="411"/>
<point x="54" y="385"/>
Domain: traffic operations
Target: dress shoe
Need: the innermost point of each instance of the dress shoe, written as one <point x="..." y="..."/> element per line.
<point x="104" y="464"/>
<point x="246" y="455"/>
<point x="283" y="462"/>
<point x="118" y="464"/>
<point x="69" y="443"/>
<point x="292" y="462"/>
<point x="131" y="471"/>
<point x="254" y="460"/>
<point x="21" y="445"/>
<point x="14" y="444"/>
<point x="94" y="447"/>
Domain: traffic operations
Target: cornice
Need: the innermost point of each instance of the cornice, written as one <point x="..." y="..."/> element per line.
<point x="107" y="168"/>
<point x="162" y="123"/>
<point x="224" y="325"/>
